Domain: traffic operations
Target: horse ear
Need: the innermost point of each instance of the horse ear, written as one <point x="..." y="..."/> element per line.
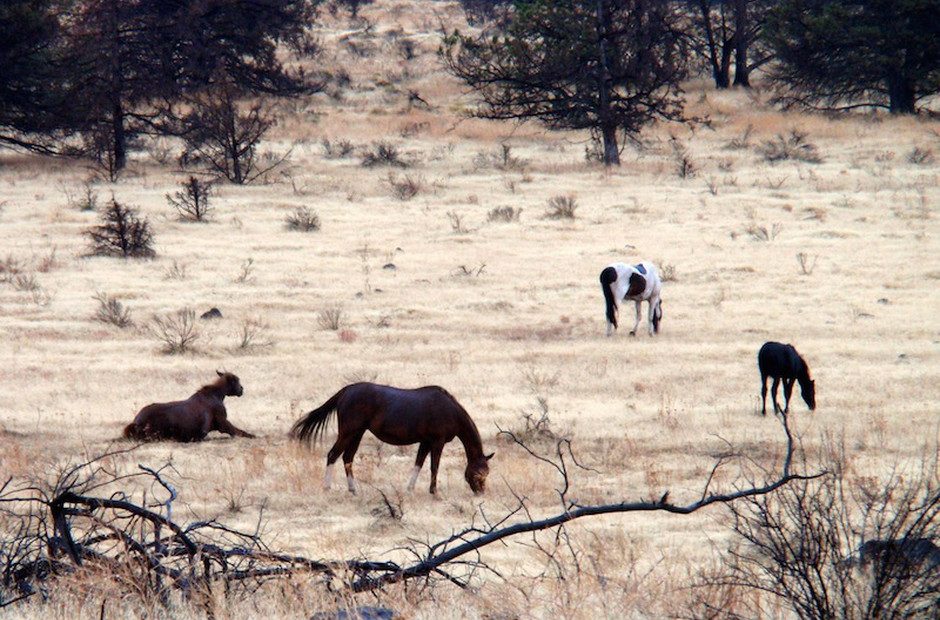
<point x="219" y="372"/>
<point x="490" y="455"/>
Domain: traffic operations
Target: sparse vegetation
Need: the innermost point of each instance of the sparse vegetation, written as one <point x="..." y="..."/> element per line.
<point x="921" y="156"/>
<point x="504" y="214"/>
<point x="303" y="219"/>
<point x="406" y="186"/>
<point x="337" y="149"/>
<point x="177" y="331"/>
<point x="790" y="146"/>
<point x="110" y="310"/>
<point x="383" y="154"/>
<point x="807" y="265"/>
<point x="760" y="232"/>
<point x="253" y="334"/>
<point x="330" y="317"/>
<point x="562" y="207"/>
<point x="685" y="167"/>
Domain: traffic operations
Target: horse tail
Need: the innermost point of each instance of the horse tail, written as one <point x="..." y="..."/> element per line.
<point x="314" y="423"/>
<point x="608" y="277"/>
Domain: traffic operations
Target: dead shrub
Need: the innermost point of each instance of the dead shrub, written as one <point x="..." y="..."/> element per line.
<point x="561" y="207"/>
<point x="383" y="154"/>
<point x="339" y="149"/>
<point x="792" y="146"/>
<point x="685" y="167"/>
<point x="110" y="310"/>
<point x="763" y="233"/>
<point x="456" y="223"/>
<point x="405" y="187"/>
<point x="177" y="330"/>
<point x="743" y="141"/>
<point x="330" y="318"/>
<point x="504" y="214"/>
<point x="806" y="265"/>
<point x="253" y="334"/>
<point x="122" y="233"/>
<point x="25" y="282"/>
<point x="303" y="219"/>
<point x="920" y="156"/>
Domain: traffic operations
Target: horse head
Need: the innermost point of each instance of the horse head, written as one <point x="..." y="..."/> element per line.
<point x="476" y="473"/>
<point x="233" y="386"/>
<point x="808" y="390"/>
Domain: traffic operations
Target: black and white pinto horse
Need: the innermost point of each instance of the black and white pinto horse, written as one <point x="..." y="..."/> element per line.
<point x="636" y="283"/>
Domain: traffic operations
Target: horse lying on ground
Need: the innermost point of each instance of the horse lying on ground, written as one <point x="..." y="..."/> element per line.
<point x="781" y="361"/>
<point x="904" y="554"/>
<point x="636" y="283"/>
<point x="428" y="416"/>
<point x="191" y="419"/>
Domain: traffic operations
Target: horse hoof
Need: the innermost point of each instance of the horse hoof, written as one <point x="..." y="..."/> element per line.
<point x="633" y="333"/>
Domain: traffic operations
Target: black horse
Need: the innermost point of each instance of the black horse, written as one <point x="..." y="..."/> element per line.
<point x="781" y="361"/>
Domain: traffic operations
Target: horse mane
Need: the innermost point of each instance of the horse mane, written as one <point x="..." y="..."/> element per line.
<point x="216" y="388"/>
<point x="473" y="433"/>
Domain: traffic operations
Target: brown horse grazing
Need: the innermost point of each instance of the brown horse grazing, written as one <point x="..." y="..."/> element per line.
<point x="428" y="416"/>
<point x="191" y="419"/>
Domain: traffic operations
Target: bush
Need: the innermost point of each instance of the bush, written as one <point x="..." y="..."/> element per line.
<point x="330" y="317"/>
<point x="383" y="154"/>
<point x="112" y="311"/>
<point x="121" y="233"/>
<point x="192" y="201"/>
<point x="561" y="207"/>
<point x="504" y="214"/>
<point x="303" y="220"/>
<point x="793" y="146"/>
<point x="176" y="330"/>
<point x="838" y="546"/>
<point x="405" y="187"/>
<point x="338" y="149"/>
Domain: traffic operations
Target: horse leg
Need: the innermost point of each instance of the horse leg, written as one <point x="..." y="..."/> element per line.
<point x="348" y="455"/>
<point x="773" y="393"/>
<point x="331" y="457"/>
<point x="224" y="426"/>
<point x="436" y="450"/>
<point x="787" y="391"/>
<point x="763" y="393"/>
<point x="423" y="450"/>
<point x="637" y="322"/>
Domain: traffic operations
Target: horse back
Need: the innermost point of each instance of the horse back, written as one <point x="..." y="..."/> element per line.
<point x="776" y="359"/>
<point x="402" y="415"/>
<point x="183" y="420"/>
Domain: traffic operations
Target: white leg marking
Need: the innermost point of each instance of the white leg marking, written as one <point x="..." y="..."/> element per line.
<point x="328" y="477"/>
<point x="351" y="484"/>
<point x="414" y="478"/>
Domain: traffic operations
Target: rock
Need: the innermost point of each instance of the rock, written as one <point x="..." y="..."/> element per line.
<point x="389" y="266"/>
<point x="214" y="313"/>
<point x="883" y="301"/>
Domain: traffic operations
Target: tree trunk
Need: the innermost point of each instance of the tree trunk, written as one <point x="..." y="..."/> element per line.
<point x="605" y="115"/>
<point x="118" y="135"/>
<point x="741" y="70"/>
<point x="720" y="67"/>
<point x="611" y="151"/>
<point x="901" y="95"/>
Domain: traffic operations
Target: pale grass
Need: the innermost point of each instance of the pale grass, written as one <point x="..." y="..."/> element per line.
<point x="650" y="414"/>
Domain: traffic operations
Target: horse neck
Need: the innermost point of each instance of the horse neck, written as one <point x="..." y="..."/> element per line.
<point x="802" y="372"/>
<point x="470" y="437"/>
<point x="213" y="390"/>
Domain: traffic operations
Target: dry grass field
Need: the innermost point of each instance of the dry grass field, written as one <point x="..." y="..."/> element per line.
<point x="506" y="315"/>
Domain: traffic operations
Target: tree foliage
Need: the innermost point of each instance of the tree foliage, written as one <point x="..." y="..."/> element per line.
<point x="122" y="67"/>
<point x="841" y="54"/>
<point x="29" y="35"/>
<point x="587" y="64"/>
